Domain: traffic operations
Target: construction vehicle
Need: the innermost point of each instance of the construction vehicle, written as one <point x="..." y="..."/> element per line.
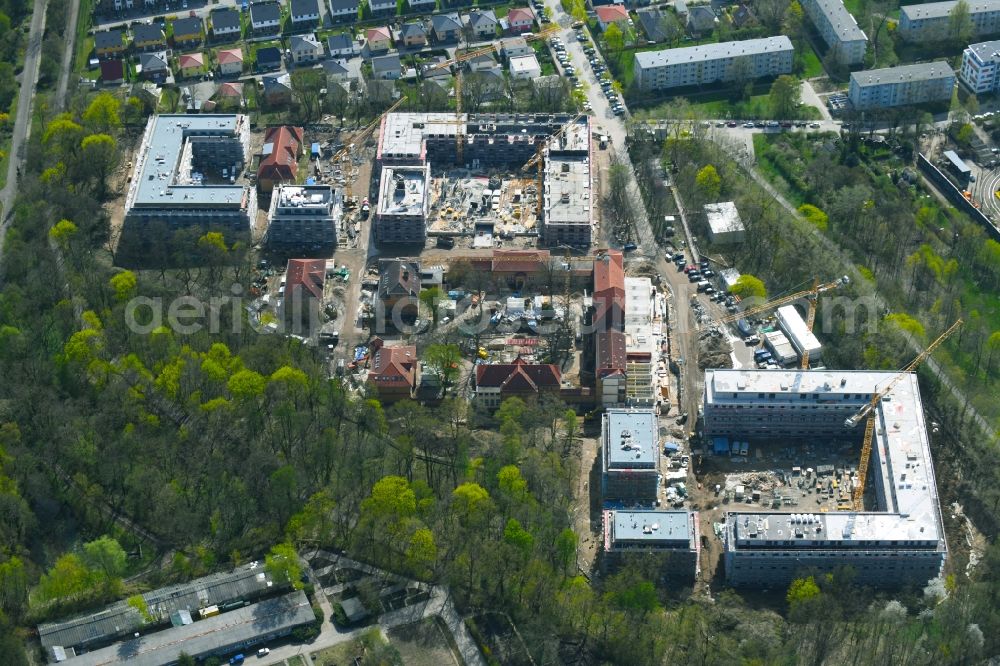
<point x="358" y="140"/>
<point x="868" y="411"/>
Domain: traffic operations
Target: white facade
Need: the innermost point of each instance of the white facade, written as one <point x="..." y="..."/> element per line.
<point x="798" y="333"/>
<point x="979" y="66"/>
<point x="838" y="29"/>
<point x="930" y="21"/>
<point x="724" y="223"/>
<point x="901" y="86"/>
<point x="305" y="48"/>
<point x="711" y="63"/>
<point x="525" y="67"/>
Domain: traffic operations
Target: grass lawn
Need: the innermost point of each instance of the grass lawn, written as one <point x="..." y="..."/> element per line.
<point x="813" y="66"/>
<point x="423" y="643"/>
<point x="719" y="104"/>
<point x="344" y="653"/>
<point x="297" y="660"/>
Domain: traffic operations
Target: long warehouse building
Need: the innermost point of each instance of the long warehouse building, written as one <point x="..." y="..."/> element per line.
<point x="901" y="541"/>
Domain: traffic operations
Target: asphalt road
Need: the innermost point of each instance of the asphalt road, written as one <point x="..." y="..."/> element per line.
<point x="22" y="120"/>
<point x="69" y="50"/>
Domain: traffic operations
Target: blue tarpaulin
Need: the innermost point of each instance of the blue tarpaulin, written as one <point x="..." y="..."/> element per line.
<point x="720" y="446"/>
<point x="310" y="181"/>
<point x="670" y="447"/>
<point x="315" y="149"/>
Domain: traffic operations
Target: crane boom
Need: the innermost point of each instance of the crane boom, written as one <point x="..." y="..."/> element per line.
<point x="363" y="135"/>
<point x="784" y="300"/>
<point x="869" y="411"/>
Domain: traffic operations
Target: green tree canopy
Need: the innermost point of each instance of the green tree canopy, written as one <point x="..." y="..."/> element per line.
<point x="749" y="286"/>
<point x="709" y="183"/>
<point x="282" y="563"/>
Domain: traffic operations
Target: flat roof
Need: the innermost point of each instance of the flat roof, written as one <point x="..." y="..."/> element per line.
<point x="934" y="10"/>
<point x="630" y="438"/>
<point x="797" y="330"/>
<point x="706" y="52"/>
<point x="723" y="217"/>
<point x="567" y="190"/>
<point x="403" y="133"/>
<point x="956" y="161"/>
<point x="403" y="190"/>
<point x="163" y="163"/>
<point x="304" y="196"/>
<point x="523" y="63"/>
<point x="640" y="339"/>
<point x="652" y="526"/>
<point x="241" y="626"/>
<point x="923" y="71"/>
<point x="985" y="51"/>
<point x="842" y="21"/>
<point x="638" y="300"/>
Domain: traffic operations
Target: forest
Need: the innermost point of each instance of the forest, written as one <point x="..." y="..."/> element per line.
<point x="209" y="449"/>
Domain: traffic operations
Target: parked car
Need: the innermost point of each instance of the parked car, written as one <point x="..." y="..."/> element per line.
<point x="630" y="247"/>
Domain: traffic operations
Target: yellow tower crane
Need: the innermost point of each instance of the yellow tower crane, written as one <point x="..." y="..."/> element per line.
<point x="358" y="140"/>
<point x="537" y="161"/>
<point x="868" y="410"/>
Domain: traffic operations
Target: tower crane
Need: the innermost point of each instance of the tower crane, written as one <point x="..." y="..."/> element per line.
<point x="359" y="139"/>
<point x="536" y="161"/>
<point x="868" y="410"/>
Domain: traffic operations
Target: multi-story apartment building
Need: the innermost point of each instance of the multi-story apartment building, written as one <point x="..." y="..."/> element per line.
<point x="630" y="461"/>
<point x="979" y="67"/>
<point x="302" y="220"/>
<point x="670" y="535"/>
<point x="931" y="21"/>
<point x="899" y="541"/>
<point x="713" y="63"/>
<point x="567" y="201"/>
<point x="901" y="86"/>
<point x="403" y="204"/>
<point x="838" y="29"/>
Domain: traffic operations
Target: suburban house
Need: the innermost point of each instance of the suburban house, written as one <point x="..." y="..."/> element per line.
<point x="379" y="39"/>
<point x="337" y="69"/>
<point x="107" y="43"/>
<point x="387" y="67"/>
<point x="413" y="34"/>
<point x="446" y="27"/>
<point x="520" y="19"/>
<point x="265" y="18"/>
<point x="304" y="281"/>
<point x="225" y="24"/>
<point x="277" y="88"/>
<point x="701" y="19"/>
<point x="653" y="22"/>
<point x="112" y="71"/>
<point x="394" y="371"/>
<point x="305" y="48"/>
<point x="609" y="14"/>
<point x="344" y="10"/>
<point x="422" y="5"/>
<point x="188" y="30"/>
<point x="515" y="46"/>
<point x="230" y="61"/>
<point x="483" y="23"/>
<point x="191" y="64"/>
<point x="229" y="93"/>
<point x="148" y="36"/>
<point x="382" y="7"/>
<point x="268" y="59"/>
<point x="398" y="290"/>
<point x="280" y="159"/>
<point x="492" y="84"/>
<point x="481" y="62"/>
<point x="341" y="45"/>
<point x="520" y="379"/>
<point x="305" y="14"/>
<point x="524" y="67"/>
<point x="154" y="66"/>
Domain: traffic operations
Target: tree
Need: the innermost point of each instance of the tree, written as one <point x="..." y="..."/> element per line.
<point x="99" y="154"/>
<point x="282" y="563"/>
<point x="615" y="39"/>
<point x="444" y="359"/>
<point x="786" y="93"/>
<point x="307" y="85"/>
<point x="771" y="12"/>
<point x="138" y="602"/>
<point x="992" y="344"/>
<point x="102" y="115"/>
<point x="749" y="286"/>
<point x="430" y="298"/>
<point x="814" y="216"/>
<point x="106" y="556"/>
<point x="960" y="27"/>
<point x="709" y="183"/>
<point x="124" y="284"/>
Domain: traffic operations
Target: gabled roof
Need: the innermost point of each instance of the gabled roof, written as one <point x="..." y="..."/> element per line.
<point x="445" y="22"/>
<point x="269" y="54"/>
<point x="519" y="376"/>
<point x="482" y="19"/>
<point x="339" y="42"/>
<point x="336" y="67"/>
<point x="394" y="367"/>
<point x="519" y="14"/>
<point x="344" y="5"/>
<point x="225" y="19"/>
<point x="652" y="23"/>
<point x="265" y="11"/>
<point x="229" y="89"/>
<point x="520" y="261"/>
<point x="609" y="272"/>
<point x="611" y="13"/>
<point x="277" y="83"/>
<point x="109" y="38"/>
<point x="112" y="70"/>
<point x="610" y="353"/>
<point x="145" y="32"/>
<point x="701" y="16"/>
<point x="379" y="33"/>
<point x="227" y="56"/>
<point x="153" y="62"/>
<point x="189" y="60"/>
<point x="285" y="144"/>
<point x="304" y="278"/>
<point x="398" y="278"/>
<point x="189" y="25"/>
<point x="413" y="29"/>
<point x="304" y="43"/>
<point x="304" y="8"/>
<point x="386" y="63"/>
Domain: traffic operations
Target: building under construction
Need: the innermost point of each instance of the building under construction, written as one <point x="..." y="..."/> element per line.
<point x="900" y="541"/>
<point x="491" y="143"/>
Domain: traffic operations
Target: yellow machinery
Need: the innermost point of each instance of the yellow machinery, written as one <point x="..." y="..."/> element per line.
<point x="869" y="411"/>
<point x="359" y="140"/>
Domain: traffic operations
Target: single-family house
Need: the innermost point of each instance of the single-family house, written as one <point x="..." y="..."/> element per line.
<point x="265" y="18"/>
<point x="387" y="67"/>
<point x="279" y="162"/>
<point x="341" y="45"/>
<point x="148" y="36"/>
<point x="188" y="30"/>
<point x="413" y="33"/>
<point x="612" y="14"/>
<point x="520" y="379"/>
<point x="230" y="92"/>
<point x="344" y="10"/>
<point x="446" y="27"/>
<point x="112" y="71"/>
<point x="337" y="69"/>
<point x="743" y="17"/>
<point x="512" y="47"/>
<point x="680" y="6"/>
<point x="520" y="19"/>
<point x="305" y="48"/>
<point x="382" y="7"/>
<point x="277" y="88"/>
<point x="701" y="19"/>
<point x="108" y="43"/>
<point x="399" y="289"/>
<point x="303" y="298"/>
<point x="305" y="14"/>
<point x="191" y="64"/>
<point x="230" y="61"/>
<point x="422" y="5"/>
<point x="225" y="24"/>
<point x="483" y="23"/>
<point x="524" y="67"/>
<point x="490" y="83"/>
<point x="379" y="39"/>
<point x="268" y="59"/>
<point x="654" y="24"/>
<point x="154" y="66"/>
<point x="394" y="371"/>
<point x="480" y="62"/>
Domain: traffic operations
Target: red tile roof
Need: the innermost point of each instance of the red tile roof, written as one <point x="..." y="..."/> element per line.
<point x="230" y="90"/>
<point x="611" y="13"/>
<point x="609" y="353"/>
<point x="520" y="14"/>
<point x="609" y="271"/>
<point x="227" y="56"/>
<point x="394" y="368"/>
<point x="305" y="277"/>
<point x="519" y="376"/>
<point x="189" y="60"/>
<point x="112" y="70"/>
<point x="381" y="32"/>
<point x="282" y="162"/>
<point x="520" y="261"/>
